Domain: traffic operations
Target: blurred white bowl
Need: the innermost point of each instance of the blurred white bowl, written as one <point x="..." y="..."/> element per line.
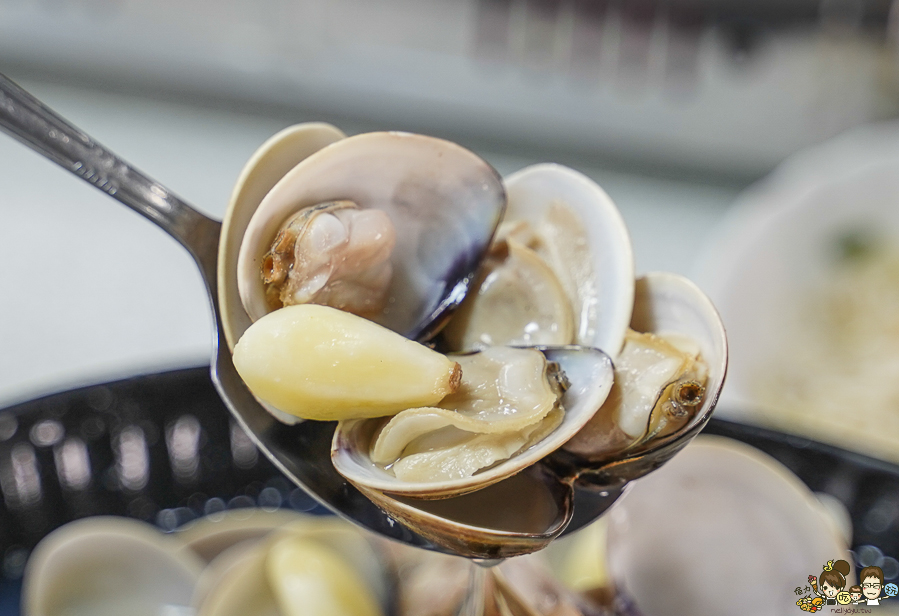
<point x="768" y="267"/>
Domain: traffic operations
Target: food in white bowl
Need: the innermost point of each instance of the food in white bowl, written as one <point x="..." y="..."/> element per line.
<point x="805" y="272"/>
<point x="240" y="562"/>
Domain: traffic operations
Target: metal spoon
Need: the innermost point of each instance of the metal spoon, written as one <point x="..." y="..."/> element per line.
<point x="301" y="452"/>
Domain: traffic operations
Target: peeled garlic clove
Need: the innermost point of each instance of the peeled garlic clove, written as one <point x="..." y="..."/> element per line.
<point x="307" y="577"/>
<point x="321" y="363"/>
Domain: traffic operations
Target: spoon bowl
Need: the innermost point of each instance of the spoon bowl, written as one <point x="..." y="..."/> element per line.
<point x="302" y="451"/>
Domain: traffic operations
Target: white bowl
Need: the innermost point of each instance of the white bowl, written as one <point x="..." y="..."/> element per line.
<point x="773" y="252"/>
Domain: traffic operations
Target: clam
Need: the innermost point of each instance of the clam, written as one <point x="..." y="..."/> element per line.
<point x="561" y="270"/>
<point x="673" y="308"/>
<point x="109" y="566"/>
<point x="271" y="162"/>
<point x="440" y="202"/>
<point x="758" y="527"/>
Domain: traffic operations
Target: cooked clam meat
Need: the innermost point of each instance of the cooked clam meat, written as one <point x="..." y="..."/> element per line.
<point x="508" y="400"/>
<point x="318" y="362"/>
<point x="659" y="383"/>
<point x="537" y="287"/>
<point x="334" y="254"/>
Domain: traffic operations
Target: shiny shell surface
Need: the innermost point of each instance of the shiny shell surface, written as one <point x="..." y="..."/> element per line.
<point x="608" y="294"/>
<point x="443" y="200"/>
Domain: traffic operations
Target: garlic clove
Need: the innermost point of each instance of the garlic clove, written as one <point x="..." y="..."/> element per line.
<point x="321" y="363"/>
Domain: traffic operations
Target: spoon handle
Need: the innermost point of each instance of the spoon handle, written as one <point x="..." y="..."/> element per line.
<point x="27" y="119"/>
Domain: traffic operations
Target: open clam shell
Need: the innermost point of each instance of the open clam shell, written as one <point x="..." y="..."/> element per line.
<point x="107" y="565"/>
<point x="589" y="372"/>
<point x="708" y="531"/>
<point x="665" y="303"/>
<point x="560" y="272"/>
<point x="444" y="202"/>
<point x="271" y="162"/>
<point x="609" y="300"/>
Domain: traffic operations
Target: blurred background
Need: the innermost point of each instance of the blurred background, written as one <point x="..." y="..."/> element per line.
<point x="702" y="119"/>
<point x="674" y="107"/>
<point x="722" y="87"/>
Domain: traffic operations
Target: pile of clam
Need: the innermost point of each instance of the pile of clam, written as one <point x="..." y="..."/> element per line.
<point x="270" y="563"/>
<point x="244" y="561"/>
<point x="458" y="326"/>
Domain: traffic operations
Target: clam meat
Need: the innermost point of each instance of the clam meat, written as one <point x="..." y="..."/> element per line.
<point x="334" y="254"/>
<point x="668" y="375"/>
<point x="659" y="385"/>
<point x="479" y="439"/>
<point x="507" y="401"/>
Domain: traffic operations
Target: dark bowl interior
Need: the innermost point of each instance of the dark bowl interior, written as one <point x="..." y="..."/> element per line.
<point x="162" y="448"/>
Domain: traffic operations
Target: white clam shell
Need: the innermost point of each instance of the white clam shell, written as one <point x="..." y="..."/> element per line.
<point x="667" y="303"/>
<point x="443" y="200"/>
<point x="271" y="162"/>
<point x="590" y="374"/>
<point x="530" y="192"/>
<point x="757" y="535"/>
<point x="107" y="566"/>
